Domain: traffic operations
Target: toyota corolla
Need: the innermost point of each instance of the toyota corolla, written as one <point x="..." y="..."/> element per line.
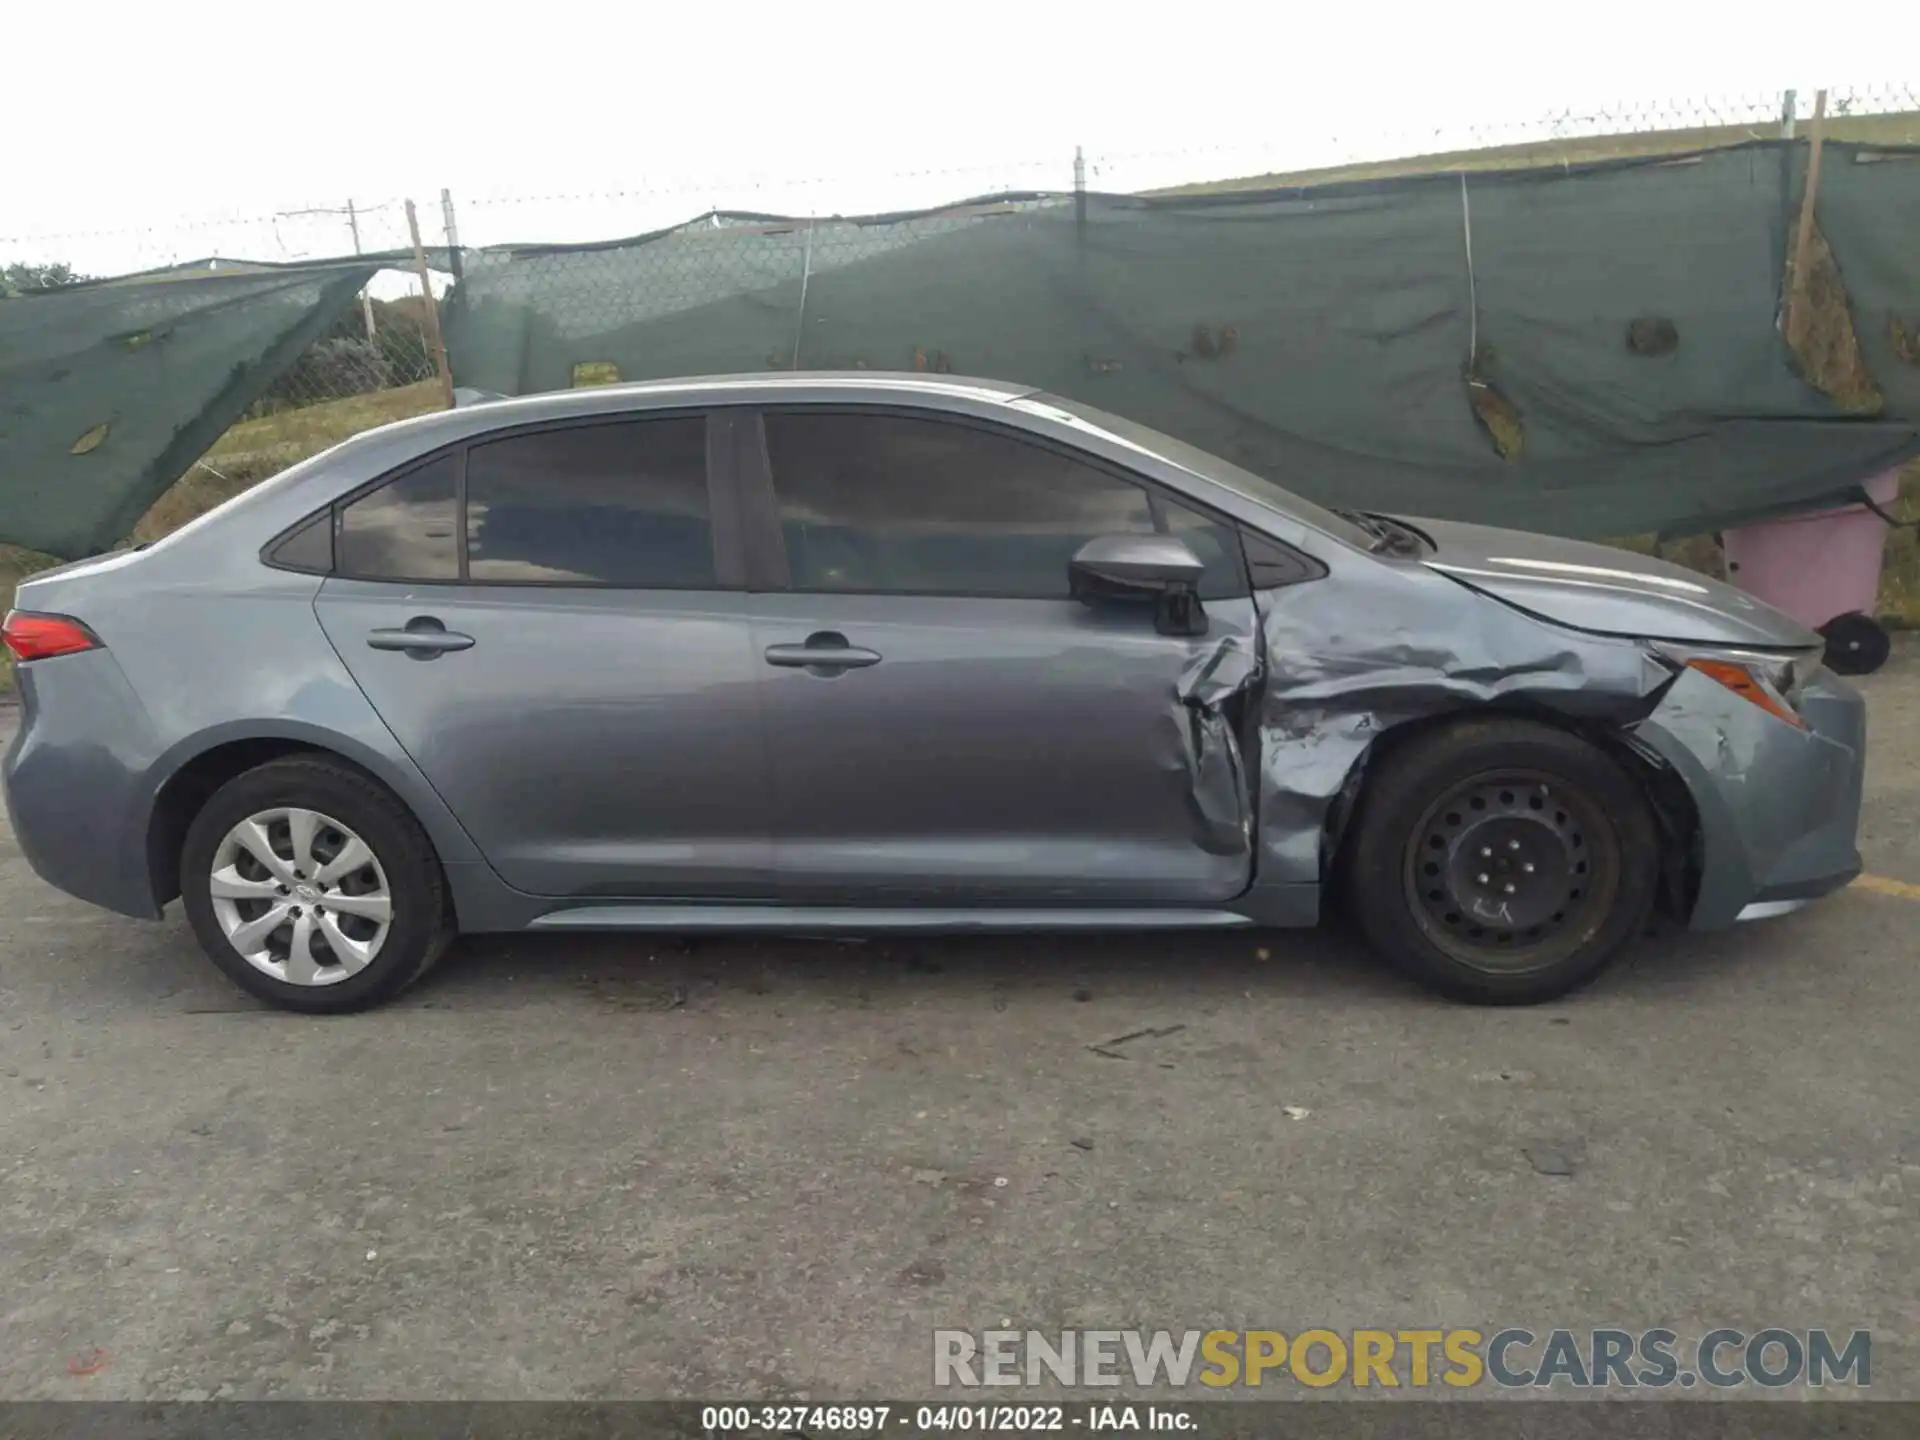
<point x="868" y="653"/>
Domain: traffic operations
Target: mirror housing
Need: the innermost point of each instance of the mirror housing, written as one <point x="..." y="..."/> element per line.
<point x="1133" y="567"/>
<point x="1159" y="570"/>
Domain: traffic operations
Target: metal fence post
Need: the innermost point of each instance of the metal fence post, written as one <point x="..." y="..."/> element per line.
<point x="1079" y="194"/>
<point x="453" y="233"/>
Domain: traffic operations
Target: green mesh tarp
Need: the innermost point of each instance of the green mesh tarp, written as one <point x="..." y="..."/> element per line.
<point x="1587" y="351"/>
<point x="1869" y="207"/>
<point x="110" y="391"/>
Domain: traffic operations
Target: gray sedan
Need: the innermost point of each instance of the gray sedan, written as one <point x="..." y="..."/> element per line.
<point x="868" y="653"/>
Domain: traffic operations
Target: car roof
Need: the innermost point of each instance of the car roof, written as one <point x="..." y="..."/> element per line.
<point x="486" y="411"/>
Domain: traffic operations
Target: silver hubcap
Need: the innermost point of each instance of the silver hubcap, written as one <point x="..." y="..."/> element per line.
<point x="300" y="896"/>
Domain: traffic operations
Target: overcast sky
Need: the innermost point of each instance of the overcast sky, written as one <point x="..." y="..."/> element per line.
<point x="136" y="134"/>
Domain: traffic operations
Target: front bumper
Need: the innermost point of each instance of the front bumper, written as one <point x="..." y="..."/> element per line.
<point x="1778" y="807"/>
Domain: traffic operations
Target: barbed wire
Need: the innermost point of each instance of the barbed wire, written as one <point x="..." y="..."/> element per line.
<point x="325" y="228"/>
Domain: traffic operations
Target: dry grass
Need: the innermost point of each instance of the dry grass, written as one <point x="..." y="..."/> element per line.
<point x="293" y="435"/>
<point x="1821" y="334"/>
<point x="243" y="457"/>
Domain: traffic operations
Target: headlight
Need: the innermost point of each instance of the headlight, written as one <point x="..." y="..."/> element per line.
<point x="1770" y="679"/>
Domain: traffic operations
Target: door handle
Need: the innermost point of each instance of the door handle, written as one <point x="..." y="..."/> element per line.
<point x="825" y="651"/>
<point x="423" y="638"/>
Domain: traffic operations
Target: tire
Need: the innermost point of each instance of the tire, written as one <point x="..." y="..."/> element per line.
<point x="371" y="965"/>
<point x="1857" y="644"/>
<point x="1453" y="819"/>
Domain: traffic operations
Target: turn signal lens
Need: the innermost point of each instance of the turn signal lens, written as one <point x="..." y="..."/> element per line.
<point x="37" y="637"/>
<point x="1748" y="686"/>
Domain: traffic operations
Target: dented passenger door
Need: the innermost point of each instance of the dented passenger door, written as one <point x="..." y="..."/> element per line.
<point x="946" y="723"/>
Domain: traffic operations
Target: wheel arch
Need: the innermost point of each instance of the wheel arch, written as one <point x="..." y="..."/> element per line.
<point x="195" y="769"/>
<point x="1668" y="798"/>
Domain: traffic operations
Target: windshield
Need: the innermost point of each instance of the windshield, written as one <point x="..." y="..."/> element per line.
<point x="1206" y="465"/>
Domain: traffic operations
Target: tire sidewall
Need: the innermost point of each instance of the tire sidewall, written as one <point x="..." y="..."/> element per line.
<point x="406" y="858"/>
<point x="1412" y="779"/>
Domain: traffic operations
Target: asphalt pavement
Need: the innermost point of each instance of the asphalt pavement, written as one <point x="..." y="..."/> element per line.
<point x="614" y="1168"/>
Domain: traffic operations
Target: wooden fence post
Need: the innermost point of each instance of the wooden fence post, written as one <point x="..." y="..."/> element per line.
<point x="433" y="308"/>
<point x="1803" y="239"/>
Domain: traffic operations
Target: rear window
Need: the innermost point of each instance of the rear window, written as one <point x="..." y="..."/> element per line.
<point x="623" y="503"/>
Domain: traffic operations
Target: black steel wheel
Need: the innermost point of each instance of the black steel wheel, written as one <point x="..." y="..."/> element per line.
<point x="1857" y="644"/>
<point x="1501" y="868"/>
<point x="1501" y="860"/>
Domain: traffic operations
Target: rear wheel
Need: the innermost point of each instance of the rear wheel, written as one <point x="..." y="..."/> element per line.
<point x="1502" y="861"/>
<point x="313" y="888"/>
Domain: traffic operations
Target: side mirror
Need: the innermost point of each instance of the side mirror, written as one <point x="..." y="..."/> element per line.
<point x="1159" y="570"/>
<point x="1133" y="567"/>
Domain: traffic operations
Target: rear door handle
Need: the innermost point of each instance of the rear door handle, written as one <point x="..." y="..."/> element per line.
<point x="424" y="638"/>
<point x="825" y="650"/>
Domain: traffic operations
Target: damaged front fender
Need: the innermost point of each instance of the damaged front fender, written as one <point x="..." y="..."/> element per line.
<point x="1378" y="646"/>
<point x="1276" y="731"/>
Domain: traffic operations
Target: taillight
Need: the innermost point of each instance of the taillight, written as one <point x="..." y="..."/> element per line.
<point x="37" y="637"/>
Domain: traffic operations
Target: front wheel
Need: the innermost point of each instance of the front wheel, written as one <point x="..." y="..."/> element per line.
<point x="1502" y="861"/>
<point x="312" y="887"/>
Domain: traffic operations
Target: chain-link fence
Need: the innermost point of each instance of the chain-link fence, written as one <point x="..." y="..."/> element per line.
<point x="373" y="364"/>
<point x="376" y="363"/>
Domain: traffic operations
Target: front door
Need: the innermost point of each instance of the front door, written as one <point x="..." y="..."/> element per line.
<point x="562" y="661"/>
<point x="946" y="725"/>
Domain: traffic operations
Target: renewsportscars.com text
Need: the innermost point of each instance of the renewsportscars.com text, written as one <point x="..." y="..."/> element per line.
<point x="1511" y="1358"/>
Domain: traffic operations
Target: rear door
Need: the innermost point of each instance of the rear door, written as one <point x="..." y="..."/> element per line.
<point x="979" y="737"/>
<point x="552" y="624"/>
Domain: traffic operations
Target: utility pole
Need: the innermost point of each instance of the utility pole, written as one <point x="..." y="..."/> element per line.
<point x="452" y="230"/>
<point x="1079" y="193"/>
<point x="366" y="300"/>
<point x="353" y="227"/>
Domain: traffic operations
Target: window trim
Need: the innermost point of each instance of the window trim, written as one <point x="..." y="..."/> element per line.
<point x="725" y="519"/>
<point x="269" y="552"/>
<point x="770" y="571"/>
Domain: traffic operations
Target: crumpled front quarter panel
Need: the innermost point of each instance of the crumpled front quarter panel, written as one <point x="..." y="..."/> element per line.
<point x="1379" y="643"/>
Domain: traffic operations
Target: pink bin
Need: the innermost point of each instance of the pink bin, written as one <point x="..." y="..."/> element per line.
<point x="1823" y="569"/>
